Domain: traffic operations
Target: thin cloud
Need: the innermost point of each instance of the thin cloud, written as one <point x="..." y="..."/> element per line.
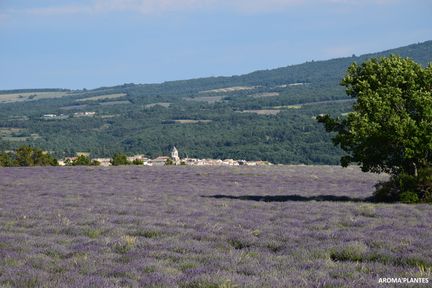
<point x="58" y="10"/>
<point x="256" y="6"/>
<point x="149" y="6"/>
<point x="161" y="6"/>
<point x="362" y="2"/>
<point x="113" y="6"/>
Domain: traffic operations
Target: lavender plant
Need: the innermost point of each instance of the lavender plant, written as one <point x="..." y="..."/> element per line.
<point x="280" y="226"/>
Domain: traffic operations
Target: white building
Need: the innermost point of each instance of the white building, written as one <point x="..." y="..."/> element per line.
<point x="175" y="156"/>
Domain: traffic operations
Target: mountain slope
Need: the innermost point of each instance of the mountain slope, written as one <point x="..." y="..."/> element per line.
<point x="264" y="115"/>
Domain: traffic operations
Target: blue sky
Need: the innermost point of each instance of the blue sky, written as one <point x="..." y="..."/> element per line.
<point x="93" y="43"/>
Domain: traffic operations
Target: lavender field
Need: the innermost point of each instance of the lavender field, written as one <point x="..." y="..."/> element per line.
<point x="279" y="226"/>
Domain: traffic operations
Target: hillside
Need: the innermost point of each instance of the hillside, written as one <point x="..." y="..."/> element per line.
<point x="264" y="115"/>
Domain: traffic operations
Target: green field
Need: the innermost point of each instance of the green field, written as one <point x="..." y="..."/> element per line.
<point x="103" y="97"/>
<point x="30" y="96"/>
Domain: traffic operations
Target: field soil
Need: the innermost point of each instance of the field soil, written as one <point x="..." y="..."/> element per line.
<point x="278" y="226"/>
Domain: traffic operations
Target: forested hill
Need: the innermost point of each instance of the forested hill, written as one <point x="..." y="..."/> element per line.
<point x="328" y="71"/>
<point x="264" y="115"/>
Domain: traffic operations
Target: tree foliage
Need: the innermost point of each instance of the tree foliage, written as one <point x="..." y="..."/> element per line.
<point x="138" y="162"/>
<point x="6" y="160"/>
<point x="82" y="160"/>
<point x="390" y="128"/>
<point x="406" y="188"/>
<point x="27" y="156"/>
<point x="119" y="159"/>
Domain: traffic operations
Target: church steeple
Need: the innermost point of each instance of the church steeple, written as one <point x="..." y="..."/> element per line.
<point x="175" y="156"/>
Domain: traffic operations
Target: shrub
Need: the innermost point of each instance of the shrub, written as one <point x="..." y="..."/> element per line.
<point x="354" y="251"/>
<point x="138" y="162"/>
<point x="6" y="160"/>
<point x="147" y="233"/>
<point x="386" y="192"/>
<point x="82" y="160"/>
<point x="366" y="210"/>
<point x="409" y="197"/>
<point x="424" y="184"/>
<point x="92" y="233"/>
<point x="406" y="188"/>
<point x="239" y="244"/>
<point x="119" y="159"/>
<point x="125" y="244"/>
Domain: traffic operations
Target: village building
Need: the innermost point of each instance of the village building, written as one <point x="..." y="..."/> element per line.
<point x="159" y="161"/>
<point x="175" y="156"/>
<point x="174" y="159"/>
<point x="84" y="114"/>
<point x="54" y="117"/>
<point x="49" y="116"/>
<point x="137" y="157"/>
<point x="230" y="162"/>
<point x="105" y="162"/>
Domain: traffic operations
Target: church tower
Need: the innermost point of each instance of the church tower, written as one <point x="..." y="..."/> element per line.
<point x="175" y="156"/>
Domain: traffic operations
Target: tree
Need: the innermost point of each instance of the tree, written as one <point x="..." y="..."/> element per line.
<point x="390" y="128"/>
<point x="119" y="159"/>
<point x="83" y="160"/>
<point x="7" y="160"/>
<point x="27" y="156"/>
<point x="24" y="156"/>
<point x="42" y="158"/>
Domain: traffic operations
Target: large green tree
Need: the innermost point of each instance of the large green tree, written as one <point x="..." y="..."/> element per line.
<point x="27" y="156"/>
<point x="390" y="128"/>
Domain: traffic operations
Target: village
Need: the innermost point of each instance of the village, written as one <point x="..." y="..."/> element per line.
<point x="173" y="159"/>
